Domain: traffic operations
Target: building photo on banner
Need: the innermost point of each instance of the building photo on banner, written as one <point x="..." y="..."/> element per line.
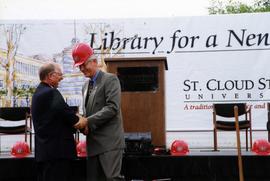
<point x="210" y="59"/>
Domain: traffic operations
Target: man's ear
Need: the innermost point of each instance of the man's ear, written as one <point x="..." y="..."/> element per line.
<point x="95" y="60"/>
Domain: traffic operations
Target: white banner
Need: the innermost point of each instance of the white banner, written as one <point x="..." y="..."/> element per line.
<point x="211" y="59"/>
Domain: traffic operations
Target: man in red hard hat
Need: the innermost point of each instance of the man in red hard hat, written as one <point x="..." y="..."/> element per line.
<point x="102" y="108"/>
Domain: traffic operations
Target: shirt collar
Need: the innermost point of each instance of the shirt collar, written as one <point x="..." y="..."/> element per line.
<point x="95" y="77"/>
<point x="45" y="83"/>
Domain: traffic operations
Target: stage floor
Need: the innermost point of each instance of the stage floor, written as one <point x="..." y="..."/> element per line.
<point x="204" y="165"/>
<point x="195" y="152"/>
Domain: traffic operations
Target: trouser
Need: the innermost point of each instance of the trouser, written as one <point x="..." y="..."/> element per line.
<point x="54" y="170"/>
<point x="105" y="166"/>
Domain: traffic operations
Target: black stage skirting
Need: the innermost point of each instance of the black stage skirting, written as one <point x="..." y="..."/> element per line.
<point x="199" y="166"/>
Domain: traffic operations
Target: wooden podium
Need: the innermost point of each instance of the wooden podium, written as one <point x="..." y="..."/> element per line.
<point x="143" y="94"/>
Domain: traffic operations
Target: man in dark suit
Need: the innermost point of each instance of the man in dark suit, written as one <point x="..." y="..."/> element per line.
<point x="102" y="108"/>
<point x="53" y="122"/>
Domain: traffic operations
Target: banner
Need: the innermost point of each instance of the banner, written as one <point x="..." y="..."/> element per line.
<point x="211" y="59"/>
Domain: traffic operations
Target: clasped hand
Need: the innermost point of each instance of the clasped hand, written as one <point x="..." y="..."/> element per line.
<point x="82" y="124"/>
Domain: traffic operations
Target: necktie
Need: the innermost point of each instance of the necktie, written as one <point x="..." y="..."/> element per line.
<point x="90" y="88"/>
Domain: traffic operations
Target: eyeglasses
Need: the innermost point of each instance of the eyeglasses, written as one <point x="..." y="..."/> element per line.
<point x="58" y="73"/>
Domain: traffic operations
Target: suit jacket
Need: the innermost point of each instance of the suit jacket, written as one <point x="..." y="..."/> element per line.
<point x="103" y="111"/>
<point x="53" y="122"/>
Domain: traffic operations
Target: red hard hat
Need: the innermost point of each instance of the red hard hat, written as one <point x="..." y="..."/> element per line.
<point x="261" y="147"/>
<point x="81" y="149"/>
<point x="179" y="147"/>
<point x="20" y="149"/>
<point x="81" y="52"/>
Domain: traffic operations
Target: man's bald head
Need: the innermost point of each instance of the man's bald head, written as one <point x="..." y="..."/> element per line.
<point x="46" y="69"/>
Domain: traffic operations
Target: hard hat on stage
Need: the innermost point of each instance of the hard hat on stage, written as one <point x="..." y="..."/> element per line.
<point x="261" y="147"/>
<point x="20" y="149"/>
<point x="179" y="147"/>
<point x="81" y="149"/>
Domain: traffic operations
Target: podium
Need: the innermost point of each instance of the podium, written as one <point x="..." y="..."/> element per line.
<point x="142" y="82"/>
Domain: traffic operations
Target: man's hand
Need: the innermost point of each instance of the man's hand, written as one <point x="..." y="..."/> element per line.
<point x="82" y="123"/>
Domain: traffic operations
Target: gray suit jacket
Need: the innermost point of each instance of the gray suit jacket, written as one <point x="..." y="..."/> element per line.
<point x="103" y="111"/>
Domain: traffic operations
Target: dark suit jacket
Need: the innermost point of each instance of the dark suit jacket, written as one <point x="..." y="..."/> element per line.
<point x="103" y="110"/>
<point x="53" y="122"/>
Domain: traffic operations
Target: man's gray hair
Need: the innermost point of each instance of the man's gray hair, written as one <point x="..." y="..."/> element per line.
<point x="46" y="69"/>
<point x="91" y="58"/>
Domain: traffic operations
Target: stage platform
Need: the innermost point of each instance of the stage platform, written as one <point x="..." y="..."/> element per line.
<point x="196" y="166"/>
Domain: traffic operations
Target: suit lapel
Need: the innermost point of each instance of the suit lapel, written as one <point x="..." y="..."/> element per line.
<point x="84" y="95"/>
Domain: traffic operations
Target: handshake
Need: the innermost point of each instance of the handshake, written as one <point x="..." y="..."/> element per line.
<point x="82" y="124"/>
